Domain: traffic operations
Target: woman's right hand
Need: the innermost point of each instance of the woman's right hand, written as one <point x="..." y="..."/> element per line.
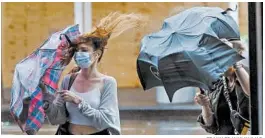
<point x="236" y="44"/>
<point x="202" y="99"/>
<point x="43" y="87"/>
<point x="46" y="95"/>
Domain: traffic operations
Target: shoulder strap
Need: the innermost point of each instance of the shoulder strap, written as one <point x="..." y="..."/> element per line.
<point x="72" y="79"/>
<point x="227" y="97"/>
<point x="226" y="94"/>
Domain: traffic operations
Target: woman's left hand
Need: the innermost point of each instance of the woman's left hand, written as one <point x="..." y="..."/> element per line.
<point x="236" y="44"/>
<point x="69" y="96"/>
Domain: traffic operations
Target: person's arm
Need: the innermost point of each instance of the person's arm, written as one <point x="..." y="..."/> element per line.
<point x="55" y="111"/>
<point x="207" y="115"/>
<point x="54" y="106"/>
<point x="206" y="119"/>
<point x="210" y="127"/>
<point x="107" y="114"/>
<point x="241" y="74"/>
<point x="243" y="78"/>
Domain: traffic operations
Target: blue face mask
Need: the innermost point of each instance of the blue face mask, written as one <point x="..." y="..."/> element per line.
<point x="83" y="59"/>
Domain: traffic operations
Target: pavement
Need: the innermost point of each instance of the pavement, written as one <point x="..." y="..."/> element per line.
<point x="130" y="127"/>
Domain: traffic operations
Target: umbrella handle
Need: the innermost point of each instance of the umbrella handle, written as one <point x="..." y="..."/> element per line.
<point x="202" y="91"/>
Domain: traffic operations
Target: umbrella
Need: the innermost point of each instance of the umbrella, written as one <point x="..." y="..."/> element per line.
<point x="187" y="51"/>
<point x="43" y="66"/>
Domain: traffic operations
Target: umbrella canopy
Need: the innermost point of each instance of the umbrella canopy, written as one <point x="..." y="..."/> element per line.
<point x="188" y="49"/>
<point x="42" y="66"/>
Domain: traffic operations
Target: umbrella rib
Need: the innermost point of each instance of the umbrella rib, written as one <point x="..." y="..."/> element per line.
<point x="202" y="21"/>
<point x="165" y="41"/>
<point x="195" y="24"/>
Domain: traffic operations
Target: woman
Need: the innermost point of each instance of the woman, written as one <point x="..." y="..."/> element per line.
<point x="215" y="117"/>
<point x="87" y="102"/>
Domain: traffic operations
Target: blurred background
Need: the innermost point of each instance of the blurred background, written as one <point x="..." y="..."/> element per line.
<point x="26" y="25"/>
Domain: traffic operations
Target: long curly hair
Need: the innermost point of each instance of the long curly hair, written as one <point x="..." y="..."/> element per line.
<point x="109" y="27"/>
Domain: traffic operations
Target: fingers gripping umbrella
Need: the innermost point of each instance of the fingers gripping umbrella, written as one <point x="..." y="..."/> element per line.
<point x="188" y="50"/>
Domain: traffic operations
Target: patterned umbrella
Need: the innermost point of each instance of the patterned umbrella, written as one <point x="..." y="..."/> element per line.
<point x="43" y="66"/>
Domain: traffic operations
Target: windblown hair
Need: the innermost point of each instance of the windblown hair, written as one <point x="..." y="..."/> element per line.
<point x="116" y="23"/>
<point x="109" y="27"/>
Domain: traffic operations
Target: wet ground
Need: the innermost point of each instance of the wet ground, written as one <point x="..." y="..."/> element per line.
<point x="130" y="127"/>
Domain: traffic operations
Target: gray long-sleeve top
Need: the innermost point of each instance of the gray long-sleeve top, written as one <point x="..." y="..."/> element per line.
<point x="106" y="116"/>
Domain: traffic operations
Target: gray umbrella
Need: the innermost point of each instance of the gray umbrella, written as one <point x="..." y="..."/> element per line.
<point x="187" y="51"/>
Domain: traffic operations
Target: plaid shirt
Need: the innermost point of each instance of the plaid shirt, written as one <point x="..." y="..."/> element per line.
<point x="43" y="65"/>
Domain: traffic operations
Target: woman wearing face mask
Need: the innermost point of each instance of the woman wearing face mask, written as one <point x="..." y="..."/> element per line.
<point x="215" y="117"/>
<point x="87" y="102"/>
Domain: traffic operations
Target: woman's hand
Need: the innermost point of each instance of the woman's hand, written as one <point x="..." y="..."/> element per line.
<point x="236" y="44"/>
<point x="43" y="87"/>
<point x="46" y="95"/>
<point x="207" y="113"/>
<point x="69" y="96"/>
<point x="202" y="99"/>
<point x="239" y="46"/>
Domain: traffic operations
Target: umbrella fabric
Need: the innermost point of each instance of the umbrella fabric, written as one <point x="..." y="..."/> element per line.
<point x="191" y="24"/>
<point x="189" y="49"/>
<point x="147" y="68"/>
<point x="43" y="65"/>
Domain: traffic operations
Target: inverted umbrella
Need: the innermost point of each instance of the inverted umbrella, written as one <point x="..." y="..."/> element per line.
<point x="43" y="66"/>
<point x="188" y="50"/>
